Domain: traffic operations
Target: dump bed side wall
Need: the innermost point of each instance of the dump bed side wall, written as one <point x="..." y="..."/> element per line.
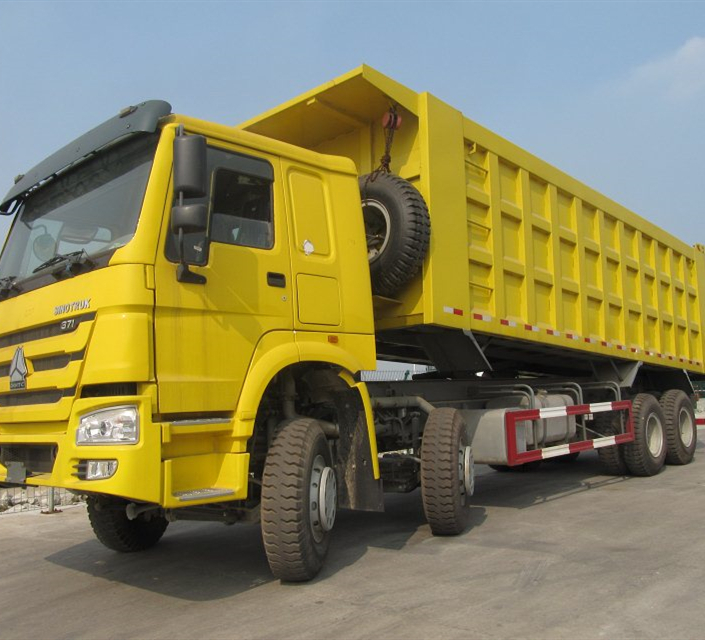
<point x="553" y="260"/>
<point x="518" y="248"/>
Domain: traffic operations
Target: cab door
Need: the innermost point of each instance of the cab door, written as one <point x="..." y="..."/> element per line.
<point x="205" y="334"/>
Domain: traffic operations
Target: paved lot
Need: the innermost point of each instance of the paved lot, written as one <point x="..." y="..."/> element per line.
<point x="563" y="552"/>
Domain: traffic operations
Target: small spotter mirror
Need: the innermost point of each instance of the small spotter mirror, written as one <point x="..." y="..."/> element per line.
<point x="44" y="247"/>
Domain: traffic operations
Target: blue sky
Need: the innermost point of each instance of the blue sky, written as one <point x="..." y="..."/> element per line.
<point x="611" y="92"/>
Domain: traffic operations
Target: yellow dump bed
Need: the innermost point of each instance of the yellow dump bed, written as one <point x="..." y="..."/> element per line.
<point x="519" y="250"/>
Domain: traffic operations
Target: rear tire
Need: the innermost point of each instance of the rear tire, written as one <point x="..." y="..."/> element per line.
<point x="612" y="457"/>
<point x="647" y="454"/>
<point x="299" y="501"/>
<point x="447" y="472"/>
<point x="112" y="527"/>
<point x="681" y="428"/>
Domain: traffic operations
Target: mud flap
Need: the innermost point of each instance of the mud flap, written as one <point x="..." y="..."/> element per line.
<point x="357" y="487"/>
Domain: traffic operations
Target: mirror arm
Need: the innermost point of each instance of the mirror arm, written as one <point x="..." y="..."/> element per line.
<point x="183" y="273"/>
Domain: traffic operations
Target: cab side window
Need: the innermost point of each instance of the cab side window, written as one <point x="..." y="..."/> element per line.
<point x="241" y="210"/>
<point x="239" y="201"/>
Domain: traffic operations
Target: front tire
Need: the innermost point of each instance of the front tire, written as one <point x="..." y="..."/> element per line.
<point x="681" y="428"/>
<point x="447" y="472"/>
<point x="299" y="501"/>
<point x="647" y="454"/>
<point x="116" y="531"/>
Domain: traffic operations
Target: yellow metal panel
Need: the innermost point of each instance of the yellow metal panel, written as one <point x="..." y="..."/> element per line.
<point x="351" y="352"/>
<point x="318" y="300"/>
<point x="227" y="471"/>
<point x="545" y="258"/>
<point x="310" y="213"/>
<point x="445" y="272"/>
<point x="335" y="289"/>
<point x="120" y="349"/>
<point x="138" y="475"/>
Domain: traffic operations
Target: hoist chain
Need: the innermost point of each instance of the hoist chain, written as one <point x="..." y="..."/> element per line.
<point x="390" y="123"/>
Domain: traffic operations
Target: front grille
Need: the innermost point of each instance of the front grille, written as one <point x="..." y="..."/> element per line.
<point x="109" y="389"/>
<point x="49" y="363"/>
<point x="56" y="362"/>
<point x="50" y="396"/>
<point x="68" y="325"/>
<point x="36" y="458"/>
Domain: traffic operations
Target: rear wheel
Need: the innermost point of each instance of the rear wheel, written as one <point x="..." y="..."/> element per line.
<point x="612" y="457"/>
<point x="299" y="501"/>
<point x="681" y="428"/>
<point x="447" y="472"/>
<point x="646" y="455"/>
<point x="108" y="518"/>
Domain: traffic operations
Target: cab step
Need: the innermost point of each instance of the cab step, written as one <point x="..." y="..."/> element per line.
<point x="202" y="494"/>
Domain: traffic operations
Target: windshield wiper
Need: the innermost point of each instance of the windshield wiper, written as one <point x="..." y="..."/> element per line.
<point x="7" y="286"/>
<point x="69" y="263"/>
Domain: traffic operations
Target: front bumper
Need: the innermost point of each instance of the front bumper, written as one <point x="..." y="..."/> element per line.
<point x="170" y="465"/>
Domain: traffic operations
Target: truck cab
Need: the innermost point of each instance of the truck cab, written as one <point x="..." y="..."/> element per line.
<point x="139" y="352"/>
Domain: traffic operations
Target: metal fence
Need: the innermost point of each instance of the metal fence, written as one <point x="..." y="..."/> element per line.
<point x="16" y="499"/>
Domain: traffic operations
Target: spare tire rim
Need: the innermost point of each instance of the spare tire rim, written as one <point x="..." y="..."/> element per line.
<point x="323" y="493"/>
<point x="377" y="227"/>
<point x="654" y="435"/>
<point x="685" y="428"/>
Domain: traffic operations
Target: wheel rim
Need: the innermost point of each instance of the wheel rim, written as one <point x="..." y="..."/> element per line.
<point x="685" y="427"/>
<point x="466" y="472"/>
<point x="654" y="435"/>
<point x="377" y="225"/>
<point x="323" y="493"/>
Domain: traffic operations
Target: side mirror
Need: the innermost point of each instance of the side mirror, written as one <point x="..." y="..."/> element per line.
<point x="190" y="181"/>
<point x="190" y="167"/>
<point x="189" y="218"/>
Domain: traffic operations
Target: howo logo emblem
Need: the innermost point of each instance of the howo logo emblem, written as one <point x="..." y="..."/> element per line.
<point x="18" y="370"/>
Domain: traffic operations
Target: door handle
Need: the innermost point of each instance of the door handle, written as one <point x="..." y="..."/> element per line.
<point x="276" y="280"/>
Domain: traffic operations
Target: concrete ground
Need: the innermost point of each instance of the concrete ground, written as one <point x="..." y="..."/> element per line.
<point x="563" y="552"/>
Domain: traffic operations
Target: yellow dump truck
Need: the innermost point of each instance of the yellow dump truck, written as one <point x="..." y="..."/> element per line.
<point x="187" y="311"/>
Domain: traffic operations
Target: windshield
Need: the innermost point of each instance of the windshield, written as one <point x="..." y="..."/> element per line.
<point x="91" y="209"/>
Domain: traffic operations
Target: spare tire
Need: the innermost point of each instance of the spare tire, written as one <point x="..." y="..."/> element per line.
<point x="398" y="230"/>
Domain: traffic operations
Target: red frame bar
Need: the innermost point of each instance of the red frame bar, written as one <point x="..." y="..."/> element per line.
<point x="512" y="417"/>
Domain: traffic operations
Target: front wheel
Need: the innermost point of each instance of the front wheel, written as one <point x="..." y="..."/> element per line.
<point x="447" y="472"/>
<point x="108" y="518"/>
<point x="299" y="501"/>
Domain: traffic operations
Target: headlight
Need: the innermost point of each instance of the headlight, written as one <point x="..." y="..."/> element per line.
<point x="118" y="425"/>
